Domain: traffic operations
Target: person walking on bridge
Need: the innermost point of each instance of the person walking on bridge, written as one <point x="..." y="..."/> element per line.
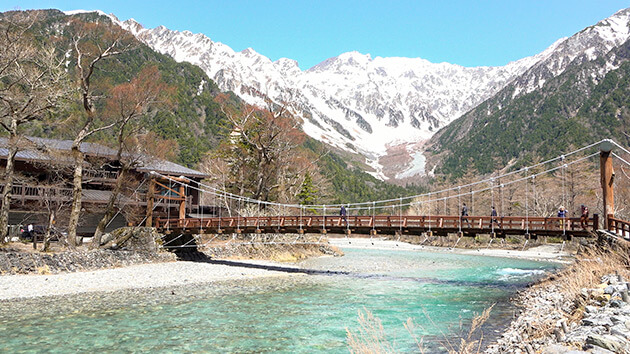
<point x="464" y="215"/>
<point x="343" y="213"/>
<point x="493" y="216"/>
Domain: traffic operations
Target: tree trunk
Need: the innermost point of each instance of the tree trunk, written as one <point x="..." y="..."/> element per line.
<point x="6" y="191"/>
<point x="75" y="212"/>
<point x="109" y="211"/>
<point x="51" y="221"/>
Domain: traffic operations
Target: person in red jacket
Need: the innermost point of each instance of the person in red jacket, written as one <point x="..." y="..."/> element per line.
<point x="584" y="216"/>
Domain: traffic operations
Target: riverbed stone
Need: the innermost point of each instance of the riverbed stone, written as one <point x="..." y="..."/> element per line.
<point x="609" y="342"/>
<point x="561" y="349"/>
<point x="590" y="309"/>
<point x="616" y="303"/>
<point x="621" y="331"/>
<point x="598" y="320"/>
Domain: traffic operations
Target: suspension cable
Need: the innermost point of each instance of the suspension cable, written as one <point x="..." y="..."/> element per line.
<point x="373" y="203"/>
<point x="230" y="195"/>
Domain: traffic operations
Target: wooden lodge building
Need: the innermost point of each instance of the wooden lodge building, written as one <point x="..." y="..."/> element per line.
<point x="43" y="181"/>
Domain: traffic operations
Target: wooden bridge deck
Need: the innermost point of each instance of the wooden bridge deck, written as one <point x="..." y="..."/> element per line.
<point x="382" y="224"/>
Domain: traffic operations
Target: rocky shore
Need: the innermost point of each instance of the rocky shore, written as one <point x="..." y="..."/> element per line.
<point x="584" y="308"/>
<point x="550" y="323"/>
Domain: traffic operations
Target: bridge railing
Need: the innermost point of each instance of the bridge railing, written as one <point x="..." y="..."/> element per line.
<point x="385" y="221"/>
<point x="618" y="226"/>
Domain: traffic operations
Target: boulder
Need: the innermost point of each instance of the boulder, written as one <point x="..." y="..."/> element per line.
<point x="140" y="239"/>
<point x="609" y="342"/>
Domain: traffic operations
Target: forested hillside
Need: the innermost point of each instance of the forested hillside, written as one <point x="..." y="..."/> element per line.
<point x="576" y="108"/>
<point x="194" y="121"/>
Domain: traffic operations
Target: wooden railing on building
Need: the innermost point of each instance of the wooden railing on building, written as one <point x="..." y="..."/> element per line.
<point x="618" y="226"/>
<point x="100" y="175"/>
<point x="27" y="193"/>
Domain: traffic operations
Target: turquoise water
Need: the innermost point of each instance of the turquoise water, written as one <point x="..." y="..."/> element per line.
<point x="304" y="314"/>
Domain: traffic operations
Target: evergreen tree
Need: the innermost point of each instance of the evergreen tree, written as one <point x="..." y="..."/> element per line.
<point x="308" y="193"/>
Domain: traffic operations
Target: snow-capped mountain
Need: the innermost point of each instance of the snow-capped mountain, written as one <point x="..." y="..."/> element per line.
<point x="369" y="105"/>
<point x="576" y="95"/>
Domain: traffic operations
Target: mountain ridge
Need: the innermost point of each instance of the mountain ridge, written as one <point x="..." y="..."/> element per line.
<point x="352" y="101"/>
<point x="372" y="105"/>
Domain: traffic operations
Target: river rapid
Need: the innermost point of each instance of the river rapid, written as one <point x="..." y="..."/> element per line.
<point x="439" y="291"/>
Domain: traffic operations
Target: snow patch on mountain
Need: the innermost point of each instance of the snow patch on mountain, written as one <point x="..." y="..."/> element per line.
<point x="352" y="101"/>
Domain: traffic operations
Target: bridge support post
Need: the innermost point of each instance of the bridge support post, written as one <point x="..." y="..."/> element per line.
<point x="150" y="202"/>
<point x="182" y="203"/>
<point x="607" y="178"/>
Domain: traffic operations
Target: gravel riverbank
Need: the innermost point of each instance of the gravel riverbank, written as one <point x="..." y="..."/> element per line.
<point x="546" y="253"/>
<point x="597" y="322"/>
<point x="140" y="276"/>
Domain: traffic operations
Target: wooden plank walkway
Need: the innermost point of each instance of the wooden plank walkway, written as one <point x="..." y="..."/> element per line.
<point x="382" y="225"/>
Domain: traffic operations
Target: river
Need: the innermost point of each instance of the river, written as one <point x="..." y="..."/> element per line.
<point x="439" y="291"/>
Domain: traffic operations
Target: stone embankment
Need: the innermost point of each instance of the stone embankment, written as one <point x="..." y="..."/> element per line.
<point x="74" y="261"/>
<point x="278" y="253"/>
<point x="597" y="321"/>
<point x="124" y="247"/>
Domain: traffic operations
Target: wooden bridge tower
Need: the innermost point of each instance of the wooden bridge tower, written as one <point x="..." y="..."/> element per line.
<point x="607" y="179"/>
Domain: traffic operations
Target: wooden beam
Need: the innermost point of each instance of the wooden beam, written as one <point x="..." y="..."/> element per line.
<point x="182" y="204"/>
<point x="150" y="201"/>
<point x="607" y="178"/>
<point x="170" y="189"/>
<point x="173" y="179"/>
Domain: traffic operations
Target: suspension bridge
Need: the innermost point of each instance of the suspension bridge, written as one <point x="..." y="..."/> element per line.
<point x="247" y="216"/>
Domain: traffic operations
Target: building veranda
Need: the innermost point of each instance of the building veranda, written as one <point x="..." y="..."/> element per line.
<point x="43" y="186"/>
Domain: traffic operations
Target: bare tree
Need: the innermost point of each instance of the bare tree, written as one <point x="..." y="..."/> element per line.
<point x="128" y="103"/>
<point x="54" y="197"/>
<point x="261" y="147"/>
<point x="32" y="85"/>
<point x="92" y="42"/>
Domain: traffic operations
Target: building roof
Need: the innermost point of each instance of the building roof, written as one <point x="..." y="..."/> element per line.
<point x="40" y="148"/>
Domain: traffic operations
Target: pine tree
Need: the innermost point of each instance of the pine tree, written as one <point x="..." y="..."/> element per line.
<point x="308" y="193"/>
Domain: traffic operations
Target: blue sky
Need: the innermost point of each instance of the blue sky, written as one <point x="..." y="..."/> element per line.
<point x="464" y="32"/>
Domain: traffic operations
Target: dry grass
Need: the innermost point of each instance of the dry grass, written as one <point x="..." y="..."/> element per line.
<point x="371" y="337"/>
<point x="43" y="270"/>
<point x="591" y="264"/>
